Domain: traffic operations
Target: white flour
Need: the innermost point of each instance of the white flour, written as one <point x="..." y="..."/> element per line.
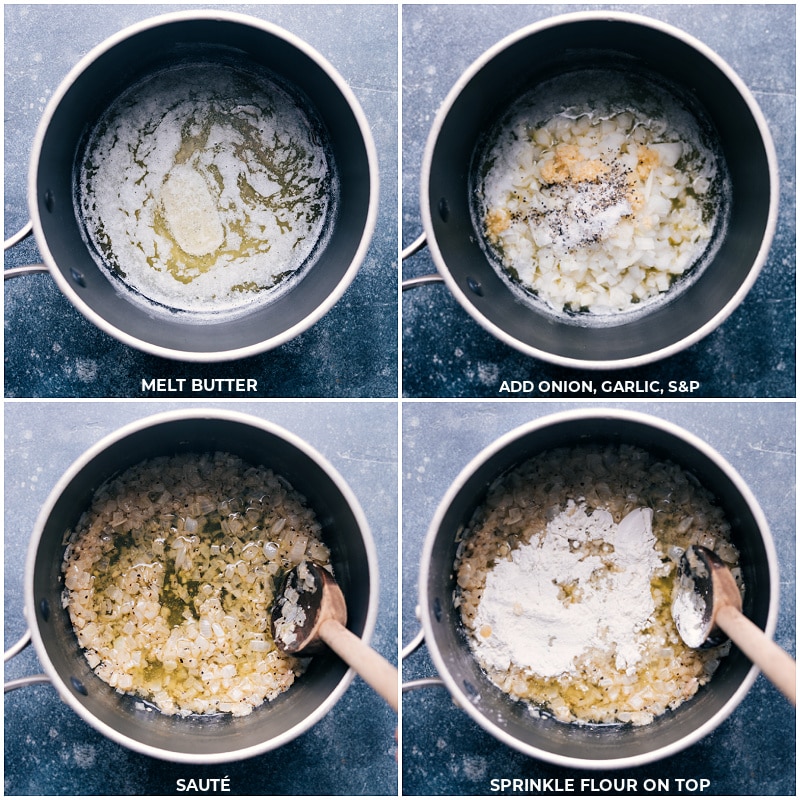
<point x="692" y="618"/>
<point x="584" y="586"/>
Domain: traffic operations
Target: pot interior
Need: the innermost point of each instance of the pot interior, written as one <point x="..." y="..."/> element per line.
<point x="527" y="63"/>
<point x="196" y="738"/>
<point x="547" y="738"/>
<point x="150" y="51"/>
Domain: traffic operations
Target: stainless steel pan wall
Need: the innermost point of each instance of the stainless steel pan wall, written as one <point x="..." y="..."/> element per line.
<point x="120" y="717"/>
<point x="87" y="96"/>
<point x="519" y="63"/>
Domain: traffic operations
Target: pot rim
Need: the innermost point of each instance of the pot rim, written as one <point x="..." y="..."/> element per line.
<point x="238" y="352"/>
<point x="632" y="19"/>
<point x="463" y="700"/>
<point x="29" y="606"/>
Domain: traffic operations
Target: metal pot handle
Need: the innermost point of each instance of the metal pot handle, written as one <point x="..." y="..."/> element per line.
<point x="23" y="233"/>
<point x="409" y="251"/>
<point x="28" y="680"/>
<point x="420" y="683"/>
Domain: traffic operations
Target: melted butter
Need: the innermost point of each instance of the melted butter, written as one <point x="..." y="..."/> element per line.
<point x="205" y="186"/>
<point x="190" y="219"/>
<point x="191" y="212"/>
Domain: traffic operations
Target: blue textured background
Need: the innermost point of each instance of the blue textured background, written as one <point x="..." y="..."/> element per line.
<point x="49" y="750"/>
<point x="447" y="354"/>
<point x="51" y="350"/>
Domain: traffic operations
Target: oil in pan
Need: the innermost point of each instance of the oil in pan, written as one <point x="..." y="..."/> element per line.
<point x="205" y="187"/>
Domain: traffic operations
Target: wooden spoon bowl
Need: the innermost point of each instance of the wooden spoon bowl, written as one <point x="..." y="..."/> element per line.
<point x="310" y="614"/>
<point x="707" y="607"/>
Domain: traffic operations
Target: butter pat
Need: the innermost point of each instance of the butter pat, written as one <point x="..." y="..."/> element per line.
<point x="190" y="212"/>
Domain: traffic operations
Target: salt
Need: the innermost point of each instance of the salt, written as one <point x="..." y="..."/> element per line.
<point x="581" y="213"/>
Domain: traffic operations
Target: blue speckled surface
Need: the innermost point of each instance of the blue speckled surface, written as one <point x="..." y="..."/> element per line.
<point x="446" y="753"/>
<point x="49" y="750"/>
<point x="51" y="350"/>
<point x="447" y="354"/>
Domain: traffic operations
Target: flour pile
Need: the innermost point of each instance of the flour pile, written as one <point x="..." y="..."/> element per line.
<point x="591" y="580"/>
<point x="565" y="579"/>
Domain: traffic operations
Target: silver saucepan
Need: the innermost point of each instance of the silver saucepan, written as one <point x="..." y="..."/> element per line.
<point x="554" y="47"/>
<point x="127" y="58"/>
<point x="511" y="722"/>
<point x="195" y="739"/>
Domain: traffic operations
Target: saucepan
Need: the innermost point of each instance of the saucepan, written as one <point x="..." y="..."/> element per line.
<point x="526" y="59"/>
<point x="197" y="739"/>
<point x="511" y="722"/>
<point x="145" y="49"/>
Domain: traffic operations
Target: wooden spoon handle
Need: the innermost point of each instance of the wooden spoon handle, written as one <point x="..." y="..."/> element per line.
<point x="371" y="666"/>
<point x="774" y="662"/>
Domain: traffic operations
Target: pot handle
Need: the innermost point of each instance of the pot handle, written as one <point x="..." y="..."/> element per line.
<point x="409" y="251"/>
<point x="420" y="683"/>
<point x="23" y="233"/>
<point x="28" y="680"/>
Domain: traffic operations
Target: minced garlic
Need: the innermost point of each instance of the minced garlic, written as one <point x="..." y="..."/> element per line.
<point x="596" y="202"/>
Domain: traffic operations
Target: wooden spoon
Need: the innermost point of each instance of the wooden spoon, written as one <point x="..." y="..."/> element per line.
<point x="707" y="609"/>
<point x="310" y="612"/>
